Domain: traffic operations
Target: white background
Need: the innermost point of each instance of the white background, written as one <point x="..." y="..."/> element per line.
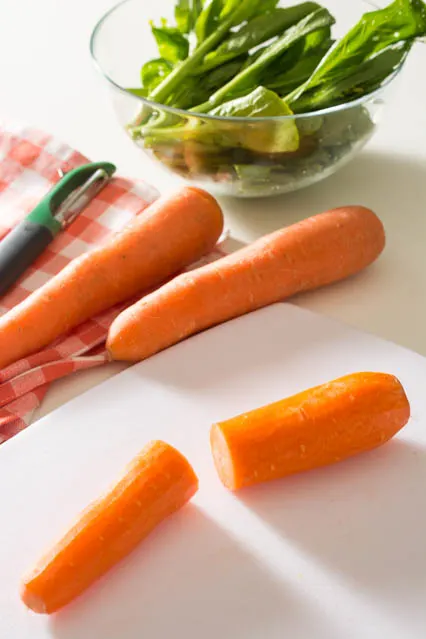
<point x="47" y="79"/>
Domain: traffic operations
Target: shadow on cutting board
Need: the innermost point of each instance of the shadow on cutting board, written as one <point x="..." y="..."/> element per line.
<point x="364" y="519"/>
<point x="246" y="353"/>
<point x="192" y="576"/>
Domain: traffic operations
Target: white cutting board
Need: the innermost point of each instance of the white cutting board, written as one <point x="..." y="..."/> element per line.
<point x="338" y="553"/>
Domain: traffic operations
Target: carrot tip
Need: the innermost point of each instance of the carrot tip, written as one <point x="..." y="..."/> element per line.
<point x="203" y="193"/>
<point x="32" y="601"/>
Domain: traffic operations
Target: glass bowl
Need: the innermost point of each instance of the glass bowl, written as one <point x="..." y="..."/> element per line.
<point x="240" y="157"/>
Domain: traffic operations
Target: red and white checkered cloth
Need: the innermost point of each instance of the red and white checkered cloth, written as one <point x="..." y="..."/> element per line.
<point x="29" y="163"/>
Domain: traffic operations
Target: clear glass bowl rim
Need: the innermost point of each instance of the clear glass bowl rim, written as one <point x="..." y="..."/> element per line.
<point x="181" y="112"/>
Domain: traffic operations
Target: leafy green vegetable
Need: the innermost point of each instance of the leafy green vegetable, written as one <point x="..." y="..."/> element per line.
<point x="216" y="12"/>
<point x="402" y="20"/>
<point x="213" y="80"/>
<point x="281" y="136"/>
<point x="283" y="64"/>
<point x="315" y="46"/>
<point x="246" y="80"/>
<point x="289" y="50"/>
<point x="208" y="19"/>
<point x="188" y="66"/>
<point x="250" y="9"/>
<point x="363" y="78"/>
<point x="183" y="16"/>
<point x="257" y="30"/>
<point x="261" y="103"/>
<point x="172" y="44"/>
<point x="154" y="72"/>
<point x="264" y="137"/>
<point x="186" y="14"/>
<point x="187" y="94"/>
<point x="194" y="90"/>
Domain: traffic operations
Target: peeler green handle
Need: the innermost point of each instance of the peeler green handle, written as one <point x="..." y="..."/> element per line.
<point x="64" y="202"/>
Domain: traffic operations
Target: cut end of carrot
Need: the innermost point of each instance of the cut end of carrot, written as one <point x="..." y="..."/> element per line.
<point x="222" y="458"/>
<point x="183" y="469"/>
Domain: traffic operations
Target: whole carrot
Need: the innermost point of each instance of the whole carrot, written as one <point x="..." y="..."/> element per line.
<point x="171" y="234"/>
<point x="157" y="483"/>
<point x="315" y="252"/>
<point x="315" y="428"/>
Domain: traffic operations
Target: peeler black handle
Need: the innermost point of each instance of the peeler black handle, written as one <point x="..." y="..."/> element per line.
<point x="24" y="244"/>
<point x="68" y="197"/>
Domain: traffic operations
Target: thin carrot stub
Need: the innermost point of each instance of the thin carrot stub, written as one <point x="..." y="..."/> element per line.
<point x="315" y="428"/>
<point x="317" y="251"/>
<point x="169" y="235"/>
<point x="157" y="483"/>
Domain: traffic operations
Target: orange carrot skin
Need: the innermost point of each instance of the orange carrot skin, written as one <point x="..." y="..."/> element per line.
<point x="315" y="428"/>
<point x="172" y="233"/>
<point x="158" y="482"/>
<point x="317" y="251"/>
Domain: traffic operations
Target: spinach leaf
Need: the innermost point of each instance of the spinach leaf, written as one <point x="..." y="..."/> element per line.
<point x="154" y="72"/>
<point x="284" y="63"/>
<point x="187" y="94"/>
<point x="358" y="80"/>
<point x="183" y="16"/>
<point x="247" y="79"/>
<point x="377" y="30"/>
<point x="214" y="12"/>
<point x="190" y="64"/>
<point x="186" y="14"/>
<point x="289" y="77"/>
<point x="279" y="136"/>
<point x="256" y="55"/>
<point x="293" y="78"/>
<point x="213" y="80"/>
<point x="172" y="44"/>
<point x="257" y="30"/>
<point x="318" y="40"/>
<point x="252" y="8"/>
<point x="208" y="19"/>
<point x="259" y="103"/>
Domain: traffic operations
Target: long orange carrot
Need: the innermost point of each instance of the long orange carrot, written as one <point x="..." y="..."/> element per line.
<point x="171" y="234"/>
<point x="157" y="483"/>
<point x="315" y="428"/>
<point x="315" y="252"/>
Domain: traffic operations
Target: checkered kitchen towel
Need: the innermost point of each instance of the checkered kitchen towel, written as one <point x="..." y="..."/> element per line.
<point x="29" y="163"/>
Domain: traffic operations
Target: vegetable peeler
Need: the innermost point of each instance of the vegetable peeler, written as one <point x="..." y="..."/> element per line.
<point x="64" y="202"/>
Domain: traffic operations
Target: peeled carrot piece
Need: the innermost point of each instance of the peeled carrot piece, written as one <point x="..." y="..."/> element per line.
<point x="157" y="483"/>
<point x="172" y="233"/>
<point x="317" y="251"/>
<point x="315" y="428"/>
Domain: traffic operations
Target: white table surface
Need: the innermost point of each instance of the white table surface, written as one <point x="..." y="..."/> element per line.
<point x="48" y="80"/>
